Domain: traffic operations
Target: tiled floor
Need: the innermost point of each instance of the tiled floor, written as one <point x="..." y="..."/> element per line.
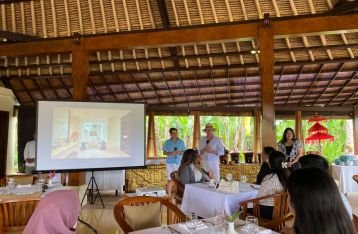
<point x="102" y="219"/>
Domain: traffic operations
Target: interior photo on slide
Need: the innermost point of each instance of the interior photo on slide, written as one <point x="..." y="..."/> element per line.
<point x="89" y="133"/>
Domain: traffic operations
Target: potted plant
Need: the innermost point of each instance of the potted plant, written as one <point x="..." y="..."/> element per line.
<point x="231" y="222"/>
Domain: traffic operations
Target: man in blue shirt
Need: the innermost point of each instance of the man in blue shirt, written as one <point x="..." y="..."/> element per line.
<point x="173" y="148"/>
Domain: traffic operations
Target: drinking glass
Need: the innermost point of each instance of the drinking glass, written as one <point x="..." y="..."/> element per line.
<point x="11" y="183"/>
<point x="243" y="178"/>
<point x="229" y="177"/>
<point x="251" y="224"/>
<point x="219" y="216"/>
<point x="191" y="222"/>
<point x="41" y="182"/>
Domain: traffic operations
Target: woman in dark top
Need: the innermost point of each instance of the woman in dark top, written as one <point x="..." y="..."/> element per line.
<point x="265" y="168"/>
<point x="316" y="203"/>
<point x="291" y="147"/>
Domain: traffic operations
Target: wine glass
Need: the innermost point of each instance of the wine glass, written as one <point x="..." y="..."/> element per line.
<point x="219" y="216"/>
<point x="229" y="177"/>
<point x="11" y="183"/>
<point x="191" y="222"/>
<point x="243" y="178"/>
<point x="251" y="224"/>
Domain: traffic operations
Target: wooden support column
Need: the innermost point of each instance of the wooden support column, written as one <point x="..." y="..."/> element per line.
<point x="298" y="125"/>
<point x="196" y="133"/>
<point x="257" y="135"/>
<point x="267" y="89"/>
<point x="151" y="146"/>
<point x="80" y="73"/>
<point x="355" y="128"/>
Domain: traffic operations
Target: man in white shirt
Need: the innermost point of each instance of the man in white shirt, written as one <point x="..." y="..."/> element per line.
<point x="29" y="155"/>
<point x="210" y="149"/>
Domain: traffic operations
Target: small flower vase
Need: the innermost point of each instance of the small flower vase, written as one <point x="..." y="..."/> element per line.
<point x="231" y="228"/>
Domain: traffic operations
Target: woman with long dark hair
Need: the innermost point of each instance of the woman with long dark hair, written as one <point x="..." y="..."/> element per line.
<point x="315" y="201"/>
<point x="272" y="183"/>
<point x="190" y="170"/>
<point x="265" y="168"/>
<point x="291" y="147"/>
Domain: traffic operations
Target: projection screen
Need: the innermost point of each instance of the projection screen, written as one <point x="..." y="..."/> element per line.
<point x="89" y="135"/>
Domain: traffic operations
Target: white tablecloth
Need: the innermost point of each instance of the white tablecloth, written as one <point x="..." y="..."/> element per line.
<point x="344" y="175"/>
<point x="181" y="228"/>
<point x="204" y="201"/>
<point x="108" y="180"/>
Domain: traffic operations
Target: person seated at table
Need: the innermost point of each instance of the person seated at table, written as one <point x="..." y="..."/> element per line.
<point x="317" y="161"/>
<point x="316" y="204"/>
<point x="272" y="183"/>
<point x="190" y="170"/>
<point x="265" y="168"/>
<point x="57" y="212"/>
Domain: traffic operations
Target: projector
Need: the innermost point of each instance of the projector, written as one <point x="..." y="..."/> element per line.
<point x="151" y="191"/>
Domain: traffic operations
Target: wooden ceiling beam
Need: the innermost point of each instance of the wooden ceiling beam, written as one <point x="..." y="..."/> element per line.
<point x="312" y="25"/>
<point x="193" y="56"/>
<point x="221" y="85"/>
<point x="94" y="74"/>
<point x="187" y="35"/>
<point x="249" y="92"/>
<point x="13" y="36"/>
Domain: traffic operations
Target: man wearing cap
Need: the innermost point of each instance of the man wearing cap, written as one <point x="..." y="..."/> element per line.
<point x="211" y="148"/>
<point x="173" y="148"/>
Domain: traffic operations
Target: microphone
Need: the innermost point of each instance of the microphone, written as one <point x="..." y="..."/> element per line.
<point x="207" y="141"/>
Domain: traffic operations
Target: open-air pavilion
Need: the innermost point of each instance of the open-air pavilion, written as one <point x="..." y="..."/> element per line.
<point x="255" y="58"/>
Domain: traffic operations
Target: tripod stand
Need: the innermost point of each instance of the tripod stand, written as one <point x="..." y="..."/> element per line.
<point x="91" y="189"/>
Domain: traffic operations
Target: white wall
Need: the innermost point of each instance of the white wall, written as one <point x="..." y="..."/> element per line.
<point x="7" y="102"/>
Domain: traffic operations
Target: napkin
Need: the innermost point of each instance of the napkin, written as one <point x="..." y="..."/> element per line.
<point x="228" y="187"/>
<point x="200" y="226"/>
<point x="23" y="186"/>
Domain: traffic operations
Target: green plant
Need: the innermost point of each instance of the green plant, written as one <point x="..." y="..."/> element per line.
<point x="232" y="218"/>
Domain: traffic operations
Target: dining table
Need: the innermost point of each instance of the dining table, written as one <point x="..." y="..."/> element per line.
<point x="205" y="226"/>
<point x="344" y="174"/>
<point x="27" y="191"/>
<point x="204" y="200"/>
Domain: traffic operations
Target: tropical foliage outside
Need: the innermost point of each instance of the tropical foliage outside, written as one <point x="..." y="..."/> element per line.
<point x="336" y="127"/>
<point x="237" y="132"/>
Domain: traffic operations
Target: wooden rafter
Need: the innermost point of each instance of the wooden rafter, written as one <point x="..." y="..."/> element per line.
<point x="354" y="74"/>
<point x="136" y="84"/>
<point x="13" y="36"/>
<point x="294" y="84"/>
<point x="124" y="88"/>
<point x="197" y="86"/>
<point x="279" y="80"/>
<point x="312" y="83"/>
<point x="182" y="86"/>
<point x="176" y="37"/>
<point x="167" y="87"/>
<point x="151" y="85"/>
<point x="330" y="82"/>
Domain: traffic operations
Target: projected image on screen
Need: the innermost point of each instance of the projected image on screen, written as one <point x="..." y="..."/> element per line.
<point x="80" y="133"/>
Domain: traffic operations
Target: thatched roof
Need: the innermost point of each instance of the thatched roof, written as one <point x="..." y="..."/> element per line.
<point x="311" y="70"/>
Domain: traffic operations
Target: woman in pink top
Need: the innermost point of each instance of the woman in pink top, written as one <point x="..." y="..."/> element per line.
<point x="57" y="212"/>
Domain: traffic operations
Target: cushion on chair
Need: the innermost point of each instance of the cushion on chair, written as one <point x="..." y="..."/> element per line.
<point x="142" y="217"/>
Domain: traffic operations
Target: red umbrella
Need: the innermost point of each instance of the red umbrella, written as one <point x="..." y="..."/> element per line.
<point x="318" y="137"/>
<point x="318" y="128"/>
<point x="317" y="118"/>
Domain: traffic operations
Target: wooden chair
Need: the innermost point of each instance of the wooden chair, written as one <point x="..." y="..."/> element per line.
<point x="280" y="213"/>
<point x="173" y="214"/>
<point x="180" y="188"/>
<point x="355" y="178"/>
<point x="15" y="213"/>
